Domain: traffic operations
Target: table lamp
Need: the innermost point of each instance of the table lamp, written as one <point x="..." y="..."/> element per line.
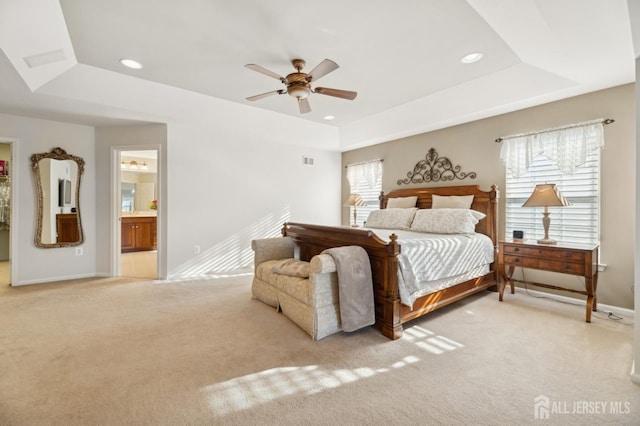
<point x="354" y="201"/>
<point x="546" y="195"/>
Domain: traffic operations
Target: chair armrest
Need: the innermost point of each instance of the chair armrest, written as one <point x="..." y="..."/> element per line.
<point x="322" y="264"/>
<point x="272" y="249"/>
<point x="323" y="281"/>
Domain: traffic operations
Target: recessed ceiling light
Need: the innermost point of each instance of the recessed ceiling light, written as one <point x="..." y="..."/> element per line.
<point x="328" y="117"/>
<point x="130" y="63"/>
<point x="471" y="58"/>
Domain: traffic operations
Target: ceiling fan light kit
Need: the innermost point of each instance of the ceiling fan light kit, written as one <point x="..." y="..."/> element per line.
<point x="298" y="84"/>
<point x="300" y="91"/>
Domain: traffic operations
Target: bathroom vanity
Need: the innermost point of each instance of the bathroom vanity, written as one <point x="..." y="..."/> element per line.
<point x="138" y="233"/>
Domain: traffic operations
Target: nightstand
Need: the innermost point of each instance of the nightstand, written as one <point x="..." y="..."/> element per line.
<point x="574" y="259"/>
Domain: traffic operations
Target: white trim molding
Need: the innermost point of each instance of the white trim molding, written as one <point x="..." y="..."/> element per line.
<point x="616" y="310"/>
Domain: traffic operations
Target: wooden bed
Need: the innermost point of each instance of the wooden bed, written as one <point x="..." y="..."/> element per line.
<point x="390" y="313"/>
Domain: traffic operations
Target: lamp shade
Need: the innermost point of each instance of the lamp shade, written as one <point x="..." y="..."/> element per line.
<point x="546" y="195"/>
<point x="354" y="200"/>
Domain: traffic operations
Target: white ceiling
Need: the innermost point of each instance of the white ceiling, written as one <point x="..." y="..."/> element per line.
<point x="403" y="59"/>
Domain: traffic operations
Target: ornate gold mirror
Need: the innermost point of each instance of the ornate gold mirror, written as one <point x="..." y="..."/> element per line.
<point x="57" y="178"/>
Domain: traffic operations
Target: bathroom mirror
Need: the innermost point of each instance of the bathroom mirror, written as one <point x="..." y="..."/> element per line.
<point x="57" y="177"/>
<point x="127" y="195"/>
<point x="137" y="196"/>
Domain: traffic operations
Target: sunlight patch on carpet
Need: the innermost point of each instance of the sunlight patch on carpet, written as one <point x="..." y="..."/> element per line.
<point x="430" y="341"/>
<point x="252" y="390"/>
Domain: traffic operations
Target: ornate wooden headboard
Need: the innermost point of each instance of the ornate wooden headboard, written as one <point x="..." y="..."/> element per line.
<point x="483" y="201"/>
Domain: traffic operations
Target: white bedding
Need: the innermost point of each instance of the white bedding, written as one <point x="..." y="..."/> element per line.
<point x="431" y="262"/>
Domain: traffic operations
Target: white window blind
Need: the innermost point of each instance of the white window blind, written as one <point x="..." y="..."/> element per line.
<point x="578" y="223"/>
<point x="365" y="179"/>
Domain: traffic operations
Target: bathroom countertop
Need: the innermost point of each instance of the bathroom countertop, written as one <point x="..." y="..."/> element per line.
<point x="143" y="213"/>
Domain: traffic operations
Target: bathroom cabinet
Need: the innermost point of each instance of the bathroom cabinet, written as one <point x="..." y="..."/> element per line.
<point x="67" y="228"/>
<point x="138" y="233"/>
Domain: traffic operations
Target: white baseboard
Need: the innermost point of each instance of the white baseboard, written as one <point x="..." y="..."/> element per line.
<point x="53" y="279"/>
<point x="629" y="313"/>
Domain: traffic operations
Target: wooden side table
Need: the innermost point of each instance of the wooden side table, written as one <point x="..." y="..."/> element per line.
<point x="574" y="259"/>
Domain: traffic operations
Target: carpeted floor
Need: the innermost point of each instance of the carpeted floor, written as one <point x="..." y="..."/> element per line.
<point x="201" y="352"/>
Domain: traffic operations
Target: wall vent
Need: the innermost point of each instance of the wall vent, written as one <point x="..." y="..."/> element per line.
<point x="45" y="58"/>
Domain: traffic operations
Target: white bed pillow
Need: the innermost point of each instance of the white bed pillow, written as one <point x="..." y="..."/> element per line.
<point x="446" y="221"/>
<point x="451" y="201"/>
<point x="391" y="218"/>
<point x="402" y="202"/>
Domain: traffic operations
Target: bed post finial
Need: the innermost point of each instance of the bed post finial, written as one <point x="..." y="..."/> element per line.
<point x="394" y="248"/>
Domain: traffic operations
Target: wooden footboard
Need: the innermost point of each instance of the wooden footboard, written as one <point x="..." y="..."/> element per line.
<point x="390" y="313"/>
<point x="313" y="239"/>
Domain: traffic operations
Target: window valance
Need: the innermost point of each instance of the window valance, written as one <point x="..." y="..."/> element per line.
<point x="567" y="147"/>
<point x="368" y="172"/>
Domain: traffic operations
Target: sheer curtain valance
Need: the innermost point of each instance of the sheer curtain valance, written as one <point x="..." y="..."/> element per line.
<point x="369" y="173"/>
<point x="566" y="147"/>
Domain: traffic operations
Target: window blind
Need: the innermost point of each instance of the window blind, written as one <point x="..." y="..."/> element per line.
<point x="366" y="180"/>
<point x="370" y="196"/>
<point x="578" y="223"/>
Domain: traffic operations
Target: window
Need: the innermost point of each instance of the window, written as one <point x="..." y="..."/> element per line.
<point x="365" y="179"/>
<point x="578" y="223"/>
<point x="578" y="182"/>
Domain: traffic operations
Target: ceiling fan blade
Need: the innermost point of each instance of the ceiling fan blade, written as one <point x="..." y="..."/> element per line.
<point x="322" y="69"/>
<point x="344" y="94"/>
<point x="304" y="106"/>
<point x="265" y="71"/>
<point x="264" y="95"/>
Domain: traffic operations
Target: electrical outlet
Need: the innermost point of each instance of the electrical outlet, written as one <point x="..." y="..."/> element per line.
<point x="196" y="249"/>
<point x="79" y="251"/>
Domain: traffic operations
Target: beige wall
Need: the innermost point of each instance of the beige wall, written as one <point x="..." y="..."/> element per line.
<point x="30" y="136"/>
<point x="472" y="147"/>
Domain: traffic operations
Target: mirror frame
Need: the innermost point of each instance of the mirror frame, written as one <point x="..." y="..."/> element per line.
<point x="55" y="154"/>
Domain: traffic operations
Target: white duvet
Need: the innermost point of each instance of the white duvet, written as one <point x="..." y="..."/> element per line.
<point x="431" y="262"/>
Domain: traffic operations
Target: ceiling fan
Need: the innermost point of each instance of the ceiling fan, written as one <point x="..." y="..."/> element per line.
<point x="298" y="84"/>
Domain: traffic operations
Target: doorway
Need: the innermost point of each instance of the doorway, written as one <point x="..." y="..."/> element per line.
<point x="138" y="213"/>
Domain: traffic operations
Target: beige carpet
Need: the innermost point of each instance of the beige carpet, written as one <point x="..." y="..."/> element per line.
<point x="202" y="352"/>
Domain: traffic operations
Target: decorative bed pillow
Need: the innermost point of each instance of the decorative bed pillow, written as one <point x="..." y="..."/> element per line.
<point x="451" y="201"/>
<point x="292" y="267"/>
<point x="446" y="221"/>
<point x="402" y="202"/>
<point x="391" y="218"/>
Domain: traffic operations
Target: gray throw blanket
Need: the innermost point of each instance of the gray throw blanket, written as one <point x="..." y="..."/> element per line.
<point x="355" y="286"/>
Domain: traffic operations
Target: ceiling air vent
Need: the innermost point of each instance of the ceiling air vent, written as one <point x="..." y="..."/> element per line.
<point x="45" y="58"/>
